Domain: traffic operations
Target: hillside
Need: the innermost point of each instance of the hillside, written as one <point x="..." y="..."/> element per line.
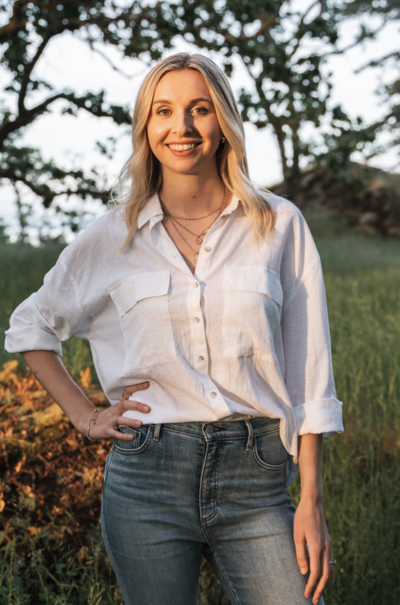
<point x="368" y="197"/>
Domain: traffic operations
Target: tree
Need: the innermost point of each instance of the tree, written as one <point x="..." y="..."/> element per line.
<point x="388" y="11"/>
<point x="284" y="51"/>
<point x="136" y="30"/>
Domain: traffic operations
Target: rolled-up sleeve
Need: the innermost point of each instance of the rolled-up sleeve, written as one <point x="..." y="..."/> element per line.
<point x="51" y="315"/>
<point x="307" y="347"/>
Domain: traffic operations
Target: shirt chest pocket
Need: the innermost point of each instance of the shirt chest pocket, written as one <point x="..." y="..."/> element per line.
<point x="253" y="299"/>
<point x="142" y="304"/>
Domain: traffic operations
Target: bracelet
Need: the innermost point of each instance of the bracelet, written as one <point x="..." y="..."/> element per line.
<point x="93" y="419"/>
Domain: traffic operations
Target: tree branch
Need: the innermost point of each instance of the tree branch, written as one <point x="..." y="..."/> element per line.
<point x="26" y="117"/>
<point x="48" y="194"/>
<point x="11" y="176"/>
<point x="14" y="23"/>
<point x="301" y="23"/>
<point x="275" y="123"/>
<point x="27" y="73"/>
<point x="30" y="114"/>
<point x="379" y="62"/>
<point x="356" y="42"/>
<point x="111" y="64"/>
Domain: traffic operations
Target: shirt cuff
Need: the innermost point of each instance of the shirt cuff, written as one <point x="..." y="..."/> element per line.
<point x="31" y="338"/>
<point x="323" y="416"/>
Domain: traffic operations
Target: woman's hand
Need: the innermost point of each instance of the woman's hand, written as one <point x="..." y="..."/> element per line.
<point x="108" y="420"/>
<point x="50" y="371"/>
<point x="310" y="528"/>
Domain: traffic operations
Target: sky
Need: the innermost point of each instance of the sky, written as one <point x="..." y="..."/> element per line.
<point x="70" y="141"/>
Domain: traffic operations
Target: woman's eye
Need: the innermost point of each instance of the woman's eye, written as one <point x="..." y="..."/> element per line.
<point x="198" y="110"/>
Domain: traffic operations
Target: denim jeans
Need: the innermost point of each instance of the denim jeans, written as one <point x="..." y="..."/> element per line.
<point x="180" y="491"/>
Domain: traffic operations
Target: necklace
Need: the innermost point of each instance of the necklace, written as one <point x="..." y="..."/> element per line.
<point x="183" y="218"/>
<point x="199" y="237"/>
<point x="196" y="254"/>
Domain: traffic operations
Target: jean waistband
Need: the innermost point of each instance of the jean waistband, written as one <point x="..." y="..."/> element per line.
<point x="220" y="430"/>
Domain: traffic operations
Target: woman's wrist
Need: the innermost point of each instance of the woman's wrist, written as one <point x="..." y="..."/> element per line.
<point x="311" y="497"/>
<point x="310" y="462"/>
<point x="82" y="423"/>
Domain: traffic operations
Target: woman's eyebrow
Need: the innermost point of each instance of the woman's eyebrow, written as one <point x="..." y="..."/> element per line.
<point x="200" y="99"/>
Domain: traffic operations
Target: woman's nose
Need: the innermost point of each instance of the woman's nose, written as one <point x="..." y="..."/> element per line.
<point x="182" y="124"/>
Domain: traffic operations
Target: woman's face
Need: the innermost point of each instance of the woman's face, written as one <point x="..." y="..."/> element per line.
<point x="183" y="129"/>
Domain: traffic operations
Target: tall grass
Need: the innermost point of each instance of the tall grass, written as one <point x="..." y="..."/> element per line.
<point x="76" y="578"/>
<point x="361" y="469"/>
<point x="83" y="577"/>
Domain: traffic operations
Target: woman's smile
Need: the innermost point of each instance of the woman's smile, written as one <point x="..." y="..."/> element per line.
<point x="183" y="149"/>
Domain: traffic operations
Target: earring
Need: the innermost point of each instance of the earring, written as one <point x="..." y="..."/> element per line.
<point x="223" y="140"/>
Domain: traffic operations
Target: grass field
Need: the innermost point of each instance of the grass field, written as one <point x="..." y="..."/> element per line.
<point x="361" y="469"/>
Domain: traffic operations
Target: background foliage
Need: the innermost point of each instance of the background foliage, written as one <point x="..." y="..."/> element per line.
<point x="283" y="45"/>
<point x="51" y="546"/>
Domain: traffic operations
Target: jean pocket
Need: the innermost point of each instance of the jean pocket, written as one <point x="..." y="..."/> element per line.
<point x="269" y="451"/>
<point x="107" y="464"/>
<point x="141" y="438"/>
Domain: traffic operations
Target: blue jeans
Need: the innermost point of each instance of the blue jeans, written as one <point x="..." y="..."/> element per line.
<point x="178" y="492"/>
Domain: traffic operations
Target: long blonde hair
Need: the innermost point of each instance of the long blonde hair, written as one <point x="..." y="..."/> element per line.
<point x="142" y="172"/>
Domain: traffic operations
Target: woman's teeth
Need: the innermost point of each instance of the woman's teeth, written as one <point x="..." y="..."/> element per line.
<point x="183" y="147"/>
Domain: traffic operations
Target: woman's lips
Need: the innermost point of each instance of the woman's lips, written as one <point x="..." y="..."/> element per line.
<point x="185" y="152"/>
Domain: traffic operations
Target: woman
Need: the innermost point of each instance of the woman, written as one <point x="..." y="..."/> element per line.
<point x="205" y="296"/>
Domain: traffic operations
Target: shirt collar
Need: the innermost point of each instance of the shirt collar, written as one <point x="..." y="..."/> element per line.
<point x="232" y="206"/>
<point x="153" y="210"/>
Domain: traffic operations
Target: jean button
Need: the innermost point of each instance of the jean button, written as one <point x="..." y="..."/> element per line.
<point x="210" y="429"/>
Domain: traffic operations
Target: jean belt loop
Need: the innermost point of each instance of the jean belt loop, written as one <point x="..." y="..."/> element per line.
<point x="249" y="443"/>
<point x="156" y="436"/>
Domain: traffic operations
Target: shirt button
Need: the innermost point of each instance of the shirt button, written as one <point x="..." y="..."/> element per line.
<point x="207" y="249"/>
<point x="196" y="285"/>
<point x="197" y="320"/>
<point x="213" y="394"/>
<point x="201" y="358"/>
<point x="210" y="429"/>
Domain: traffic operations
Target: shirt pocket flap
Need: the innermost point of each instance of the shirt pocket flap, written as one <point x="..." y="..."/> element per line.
<point x="254" y="279"/>
<point x="128" y="292"/>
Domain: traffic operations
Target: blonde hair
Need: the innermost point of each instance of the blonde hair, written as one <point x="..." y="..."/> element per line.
<point x="142" y="172"/>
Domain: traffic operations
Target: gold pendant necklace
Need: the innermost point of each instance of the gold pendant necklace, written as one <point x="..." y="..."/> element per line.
<point x="183" y="218"/>
<point x="196" y="254"/>
<point x="199" y="236"/>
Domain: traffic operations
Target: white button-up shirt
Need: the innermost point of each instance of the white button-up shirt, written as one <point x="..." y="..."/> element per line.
<point x="246" y="334"/>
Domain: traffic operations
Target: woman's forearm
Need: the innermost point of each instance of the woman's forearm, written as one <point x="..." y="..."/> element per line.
<point x="309" y="522"/>
<point x="49" y="370"/>
<point x="310" y="463"/>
